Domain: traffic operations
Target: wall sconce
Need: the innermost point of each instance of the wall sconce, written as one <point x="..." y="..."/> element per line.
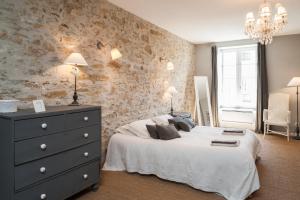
<point x="170" y="65"/>
<point x="115" y="53"/>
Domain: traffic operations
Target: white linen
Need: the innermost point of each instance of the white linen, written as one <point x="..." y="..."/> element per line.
<point x="124" y="130"/>
<point x="229" y="171"/>
<point x="139" y="129"/>
<point x="162" y="119"/>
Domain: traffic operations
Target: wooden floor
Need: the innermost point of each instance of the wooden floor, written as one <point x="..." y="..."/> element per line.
<point x="279" y="171"/>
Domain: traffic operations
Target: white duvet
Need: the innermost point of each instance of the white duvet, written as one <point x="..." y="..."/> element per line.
<point x="228" y="171"/>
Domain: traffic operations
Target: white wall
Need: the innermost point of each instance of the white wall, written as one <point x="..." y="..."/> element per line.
<point x="203" y="61"/>
<point x="283" y="63"/>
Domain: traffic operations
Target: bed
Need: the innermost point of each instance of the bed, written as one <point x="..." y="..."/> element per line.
<point x="228" y="171"/>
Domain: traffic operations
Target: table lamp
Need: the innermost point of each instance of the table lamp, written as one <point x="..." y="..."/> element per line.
<point x="75" y="59"/>
<point x="172" y="90"/>
<point x="295" y="82"/>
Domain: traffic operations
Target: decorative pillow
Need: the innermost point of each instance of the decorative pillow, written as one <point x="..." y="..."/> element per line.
<point x="162" y="119"/>
<point x="185" y="124"/>
<point x="124" y="130"/>
<point x="175" y="121"/>
<point x="152" y="131"/>
<point x="138" y="128"/>
<point x="190" y="122"/>
<point x="167" y="132"/>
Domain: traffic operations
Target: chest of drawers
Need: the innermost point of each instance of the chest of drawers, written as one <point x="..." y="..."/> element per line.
<point x="51" y="155"/>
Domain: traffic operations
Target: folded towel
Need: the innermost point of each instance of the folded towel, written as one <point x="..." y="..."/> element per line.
<point x="224" y="142"/>
<point x="231" y="131"/>
<point x="227" y="143"/>
<point x="234" y="130"/>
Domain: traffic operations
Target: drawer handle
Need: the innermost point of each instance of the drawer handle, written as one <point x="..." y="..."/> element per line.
<point x="43" y="196"/>
<point x="86" y="154"/>
<point x="85" y="176"/>
<point x="43" y="170"/>
<point x="86" y="135"/>
<point x="86" y="118"/>
<point x="43" y="147"/>
<point x="44" y="125"/>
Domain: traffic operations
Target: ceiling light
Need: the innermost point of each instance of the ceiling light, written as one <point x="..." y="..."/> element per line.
<point x="264" y="28"/>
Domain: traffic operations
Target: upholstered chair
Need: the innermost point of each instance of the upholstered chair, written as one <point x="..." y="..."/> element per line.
<point x="277" y="114"/>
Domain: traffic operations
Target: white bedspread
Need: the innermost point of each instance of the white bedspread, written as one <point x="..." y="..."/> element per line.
<point x="228" y="171"/>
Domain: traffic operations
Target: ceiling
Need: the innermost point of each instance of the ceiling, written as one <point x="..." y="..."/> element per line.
<point x="203" y="21"/>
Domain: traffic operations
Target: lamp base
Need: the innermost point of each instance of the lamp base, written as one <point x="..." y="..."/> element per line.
<point x="74" y="103"/>
<point x="75" y="97"/>
<point x="296" y="137"/>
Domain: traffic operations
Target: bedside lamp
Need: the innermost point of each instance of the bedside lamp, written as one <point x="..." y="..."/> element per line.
<point x="172" y="91"/>
<point x="295" y="82"/>
<point x="75" y="59"/>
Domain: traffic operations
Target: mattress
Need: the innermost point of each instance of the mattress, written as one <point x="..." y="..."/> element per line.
<point x="227" y="171"/>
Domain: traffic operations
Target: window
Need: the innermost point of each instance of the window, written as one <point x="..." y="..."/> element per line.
<point x="237" y="77"/>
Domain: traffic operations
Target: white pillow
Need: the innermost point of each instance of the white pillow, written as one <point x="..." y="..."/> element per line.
<point x="162" y="119"/>
<point x="139" y="128"/>
<point x="124" y="130"/>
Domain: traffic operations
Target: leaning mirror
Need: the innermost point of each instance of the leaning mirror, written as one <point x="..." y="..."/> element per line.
<point x="202" y="113"/>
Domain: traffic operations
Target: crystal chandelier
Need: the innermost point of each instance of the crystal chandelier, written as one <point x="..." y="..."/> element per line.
<point x="266" y="26"/>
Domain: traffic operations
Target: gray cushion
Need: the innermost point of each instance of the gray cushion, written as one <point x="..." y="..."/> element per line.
<point x="190" y="122"/>
<point x="152" y="131"/>
<point x="175" y="121"/>
<point x="185" y="124"/>
<point x="167" y="132"/>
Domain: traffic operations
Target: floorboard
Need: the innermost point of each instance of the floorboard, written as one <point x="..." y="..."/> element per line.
<point x="279" y="171"/>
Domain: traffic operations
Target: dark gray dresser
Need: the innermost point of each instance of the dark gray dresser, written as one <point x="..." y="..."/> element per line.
<point x="51" y="155"/>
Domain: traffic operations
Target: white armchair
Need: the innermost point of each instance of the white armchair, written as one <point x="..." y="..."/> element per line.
<point x="277" y="114"/>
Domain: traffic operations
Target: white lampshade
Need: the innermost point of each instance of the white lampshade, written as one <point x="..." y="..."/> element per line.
<point x="115" y="54"/>
<point x="172" y="90"/>
<point x="75" y="59"/>
<point x="250" y="17"/>
<point x="265" y="10"/>
<point x="170" y="66"/>
<point x="294" y="82"/>
<point x="281" y="10"/>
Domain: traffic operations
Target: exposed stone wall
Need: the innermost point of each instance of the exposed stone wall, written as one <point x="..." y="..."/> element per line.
<point x="37" y="35"/>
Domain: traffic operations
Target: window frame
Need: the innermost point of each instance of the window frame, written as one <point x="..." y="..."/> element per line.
<point x="238" y="71"/>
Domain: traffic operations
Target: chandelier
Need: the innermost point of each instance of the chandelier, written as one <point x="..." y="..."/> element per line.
<point x="266" y="25"/>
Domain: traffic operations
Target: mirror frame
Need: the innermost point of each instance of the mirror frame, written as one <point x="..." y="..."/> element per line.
<point x="197" y="109"/>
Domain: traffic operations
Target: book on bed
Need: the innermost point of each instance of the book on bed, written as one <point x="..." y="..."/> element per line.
<point x="226" y="143"/>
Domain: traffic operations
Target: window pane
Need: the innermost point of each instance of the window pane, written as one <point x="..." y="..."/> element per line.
<point x="229" y="58"/>
<point x="237" y="70"/>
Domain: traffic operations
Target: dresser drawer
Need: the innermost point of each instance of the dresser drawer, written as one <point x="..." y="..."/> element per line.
<point x="30" y="128"/>
<point x="32" y="149"/>
<point x="81" y="119"/>
<point x="63" y="186"/>
<point x="32" y="172"/>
